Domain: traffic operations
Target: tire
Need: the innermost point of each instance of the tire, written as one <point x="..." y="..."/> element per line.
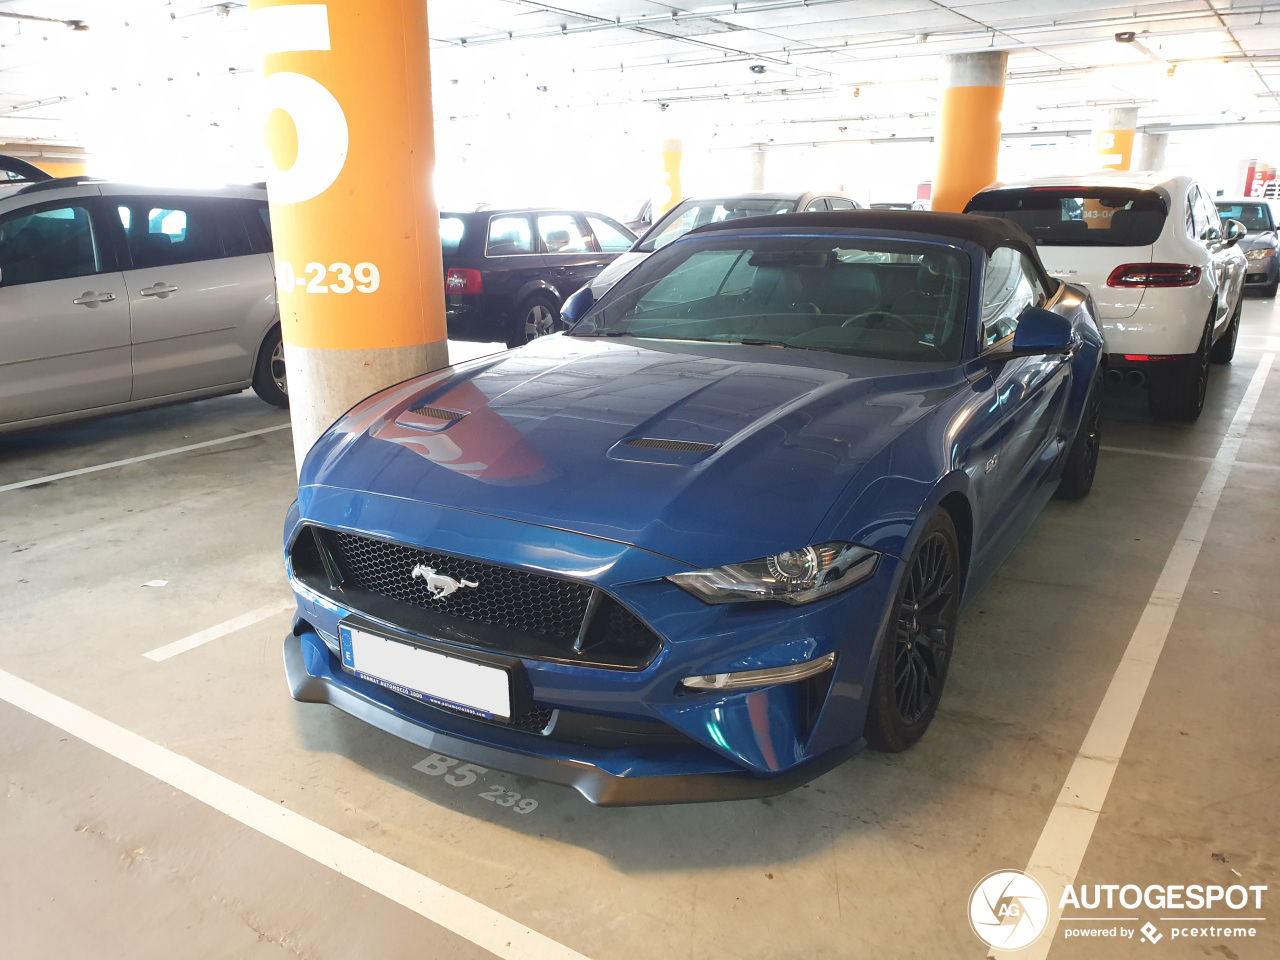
<point x="912" y="670"/>
<point x="1082" y="459"/>
<point x="1225" y="348"/>
<point x="536" y="316"/>
<point x="270" y="377"/>
<point x="1176" y="390"/>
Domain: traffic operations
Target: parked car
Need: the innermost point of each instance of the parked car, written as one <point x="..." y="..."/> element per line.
<point x="115" y="297"/>
<point x="643" y="219"/>
<point x="708" y="541"/>
<point x="16" y="169"/>
<point x="507" y="271"/>
<point x="1260" y="246"/>
<point x="1166" y="273"/>
<point x="691" y="214"/>
<point x="902" y="205"/>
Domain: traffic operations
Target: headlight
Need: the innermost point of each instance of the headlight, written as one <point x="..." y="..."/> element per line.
<point x="1262" y="253"/>
<point x="797" y="576"/>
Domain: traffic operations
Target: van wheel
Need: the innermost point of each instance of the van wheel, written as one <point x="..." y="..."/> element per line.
<point x="270" y="378"/>
<point x="535" y="317"/>
<point x="1225" y="348"/>
<point x="1176" y="390"/>
<point x="915" y="650"/>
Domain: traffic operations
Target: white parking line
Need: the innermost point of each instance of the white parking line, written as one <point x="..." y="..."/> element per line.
<point x="1135" y="451"/>
<point x="221" y="630"/>
<point x="146" y="456"/>
<point x="483" y="926"/>
<point x="1065" y="838"/>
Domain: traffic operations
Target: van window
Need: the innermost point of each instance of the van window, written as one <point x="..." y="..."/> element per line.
<point x="49" y="244"/>
<point x="163" y="231"/>
<point x="1077" y="217"/>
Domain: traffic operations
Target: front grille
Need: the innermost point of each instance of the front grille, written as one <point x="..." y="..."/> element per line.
<point x="503" y="597"/>
<point x="657" y="443"/>
<point x="513" y="612"/>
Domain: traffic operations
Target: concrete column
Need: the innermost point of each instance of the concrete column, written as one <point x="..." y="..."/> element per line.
<point x="1113" y="138"/>
<point x="757" y="168"/>
<point x="1149" y="153"/>
<point x="968" y="126"/>
<point x="670" y="191"/>
<point x="347" y="96"/>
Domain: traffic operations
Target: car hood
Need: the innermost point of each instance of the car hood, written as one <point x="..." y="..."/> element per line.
<point x="1255" y="241"/>
<point x="745" y="450"/>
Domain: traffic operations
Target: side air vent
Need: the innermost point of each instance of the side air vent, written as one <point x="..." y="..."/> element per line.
<point x="685" y="446"/>
<point x="436" y="413"/>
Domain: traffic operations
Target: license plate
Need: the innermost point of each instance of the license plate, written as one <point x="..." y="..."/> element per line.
<point x="426" y="675"/>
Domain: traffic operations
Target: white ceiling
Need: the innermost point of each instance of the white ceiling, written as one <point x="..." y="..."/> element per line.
<point x="833" y="70"/>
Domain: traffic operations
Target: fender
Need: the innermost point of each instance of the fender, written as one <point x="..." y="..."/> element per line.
<point x="537" y="286"/>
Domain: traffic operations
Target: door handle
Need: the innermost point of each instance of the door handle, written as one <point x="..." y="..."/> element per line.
<point x="91" y="299"/>
<point x="160" y="290"/>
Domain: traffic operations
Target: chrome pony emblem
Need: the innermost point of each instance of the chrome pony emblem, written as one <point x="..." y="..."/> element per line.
<point x="437" y="583"/>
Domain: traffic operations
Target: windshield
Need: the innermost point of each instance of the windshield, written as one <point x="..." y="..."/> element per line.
<point x="893" y="300"/>
<point x="684" y="217"/>
<point x="1256" y="217"/>
<point x="1077" y="217"/>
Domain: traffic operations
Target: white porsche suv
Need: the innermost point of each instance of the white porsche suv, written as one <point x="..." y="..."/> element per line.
<point x="115" y="297"/>
<point x="1167" y="275"/>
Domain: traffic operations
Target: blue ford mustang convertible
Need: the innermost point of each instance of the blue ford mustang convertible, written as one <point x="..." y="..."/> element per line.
<point x="715" y="538"/>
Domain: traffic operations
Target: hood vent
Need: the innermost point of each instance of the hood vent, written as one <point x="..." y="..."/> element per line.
<point x="436" y="413"/>
<point x="684" y="446"/>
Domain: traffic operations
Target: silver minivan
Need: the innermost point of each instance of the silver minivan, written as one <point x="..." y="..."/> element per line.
<point x="115" y="297"/>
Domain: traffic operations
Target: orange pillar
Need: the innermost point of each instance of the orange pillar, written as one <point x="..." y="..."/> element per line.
<point x="968" y="126"/>
<point x="1113" y="138"/>
<point x="356" y="231"/>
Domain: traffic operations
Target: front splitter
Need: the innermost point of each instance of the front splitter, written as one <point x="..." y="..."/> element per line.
<point x="599" y="786"/>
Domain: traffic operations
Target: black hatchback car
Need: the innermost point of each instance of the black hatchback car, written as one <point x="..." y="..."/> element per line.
<point x="507" y="271"/>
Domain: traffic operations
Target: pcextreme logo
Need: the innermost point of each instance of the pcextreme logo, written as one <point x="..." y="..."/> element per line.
<point x="1008" y="909"/>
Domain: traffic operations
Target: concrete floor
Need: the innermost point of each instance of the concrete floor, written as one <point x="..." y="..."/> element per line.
<point x="874" y="860"/>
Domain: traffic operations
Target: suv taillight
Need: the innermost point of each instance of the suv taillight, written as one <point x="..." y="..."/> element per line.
<point x="1154" y="275"/>
<point x="461" y="280"/>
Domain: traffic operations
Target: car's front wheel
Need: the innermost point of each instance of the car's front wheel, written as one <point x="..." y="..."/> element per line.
<point x="1175" y="391"/>
<point x="270" y="378"/>
<point x="915" y="651"/>
<point x="535" y="317"/>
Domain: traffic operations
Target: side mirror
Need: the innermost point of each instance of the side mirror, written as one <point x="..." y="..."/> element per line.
<point x="578" y="304"/>
<point x="1040" y="333"/>
<point x="1235" y="232"/>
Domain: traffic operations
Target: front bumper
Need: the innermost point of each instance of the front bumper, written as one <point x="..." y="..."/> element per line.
<point x="315" y="676"/>
<point x="1261" y="273"/>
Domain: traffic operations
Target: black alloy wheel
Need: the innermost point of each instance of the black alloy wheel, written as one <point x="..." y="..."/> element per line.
<point x="1082" y="460"/>
<point x="916" y="651"/>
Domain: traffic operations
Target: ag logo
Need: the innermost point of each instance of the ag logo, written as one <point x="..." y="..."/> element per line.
<point x="1008" y="909"/>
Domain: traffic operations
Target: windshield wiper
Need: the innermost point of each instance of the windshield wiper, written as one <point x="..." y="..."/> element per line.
<point x="751" y="342"/>
<point x="603" y="333"/>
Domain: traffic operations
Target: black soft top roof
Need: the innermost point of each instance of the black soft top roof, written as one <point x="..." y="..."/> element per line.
<point x="986" y="232"/>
